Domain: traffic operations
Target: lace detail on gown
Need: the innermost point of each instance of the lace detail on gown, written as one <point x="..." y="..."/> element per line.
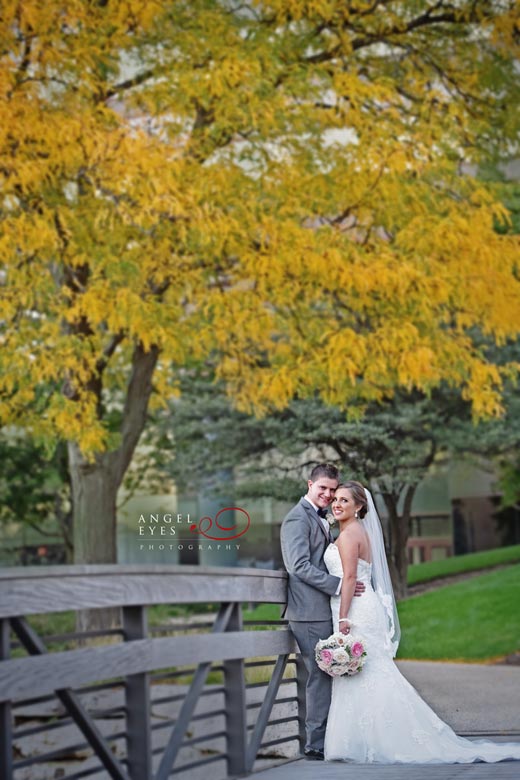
<point x="377" y="716"/>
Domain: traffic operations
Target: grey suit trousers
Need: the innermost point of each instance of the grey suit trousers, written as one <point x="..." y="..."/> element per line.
<point x="304" y="541"/>
<point x="318" y="688"/>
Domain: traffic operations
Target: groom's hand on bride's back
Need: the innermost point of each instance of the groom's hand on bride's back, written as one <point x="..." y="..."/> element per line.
<point x="359" y="589"/>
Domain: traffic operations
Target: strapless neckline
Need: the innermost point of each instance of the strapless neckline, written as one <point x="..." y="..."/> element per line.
<point x="368" y="563"/>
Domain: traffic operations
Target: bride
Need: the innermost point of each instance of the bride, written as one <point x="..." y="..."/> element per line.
<point x="376" y="715"/>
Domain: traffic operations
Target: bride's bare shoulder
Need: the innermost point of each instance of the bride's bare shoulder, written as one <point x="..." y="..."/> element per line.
<point x="349" y="536"/>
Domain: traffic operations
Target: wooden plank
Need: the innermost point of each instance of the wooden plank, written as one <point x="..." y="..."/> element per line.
<point x="35" y="676"/>
<point x="93" y="569"/>
<point x="343" y="770"/>
<point x="58" y="592"/>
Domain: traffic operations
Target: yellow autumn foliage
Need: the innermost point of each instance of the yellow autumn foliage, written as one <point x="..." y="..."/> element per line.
<point x="275" y="187"/>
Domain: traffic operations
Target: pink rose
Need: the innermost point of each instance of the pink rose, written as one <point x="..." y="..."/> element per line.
<point x="357" y="649"/>
<point x="326" y="657"/>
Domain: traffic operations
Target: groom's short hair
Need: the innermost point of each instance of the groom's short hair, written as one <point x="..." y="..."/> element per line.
<point x="324" y="470"/>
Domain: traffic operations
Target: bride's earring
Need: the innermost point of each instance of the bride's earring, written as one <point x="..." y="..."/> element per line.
<point x="356" y="514"/>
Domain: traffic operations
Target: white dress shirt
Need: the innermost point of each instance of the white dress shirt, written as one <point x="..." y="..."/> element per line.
<point x="325" y="524"/>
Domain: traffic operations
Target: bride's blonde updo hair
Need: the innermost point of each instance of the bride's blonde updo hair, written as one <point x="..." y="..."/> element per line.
<point x="358" y="494"/>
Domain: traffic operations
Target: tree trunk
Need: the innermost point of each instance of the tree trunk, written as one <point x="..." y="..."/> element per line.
<point x="94" y="492"/>
<point x="95" y="484"/>
<point x="397" y="543"/>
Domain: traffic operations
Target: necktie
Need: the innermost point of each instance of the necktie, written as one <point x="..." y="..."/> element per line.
<point x="323" y="513"/>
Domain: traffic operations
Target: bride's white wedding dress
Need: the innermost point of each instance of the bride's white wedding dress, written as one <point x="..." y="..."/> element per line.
<point x="376" y="715"/>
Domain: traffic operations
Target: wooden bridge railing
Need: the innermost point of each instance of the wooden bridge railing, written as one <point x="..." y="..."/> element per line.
<point x="132" y="660"/>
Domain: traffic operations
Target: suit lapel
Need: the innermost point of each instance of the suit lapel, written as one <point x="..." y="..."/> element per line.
<point x="315" y="518"/>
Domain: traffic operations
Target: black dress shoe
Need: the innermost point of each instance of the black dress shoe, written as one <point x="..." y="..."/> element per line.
<point x="314" y="755"/>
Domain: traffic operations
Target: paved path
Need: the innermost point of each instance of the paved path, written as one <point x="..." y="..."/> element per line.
<point x="451" y="579"/>
<point x="473" y="698"/>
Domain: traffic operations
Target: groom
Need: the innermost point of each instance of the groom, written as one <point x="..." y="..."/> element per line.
<point x="304" y="536"/>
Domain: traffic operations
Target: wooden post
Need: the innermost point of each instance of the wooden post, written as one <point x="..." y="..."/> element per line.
<point x="137" y="698"/>
<point x="235" y="704"/>
<point x="6" y="724"/>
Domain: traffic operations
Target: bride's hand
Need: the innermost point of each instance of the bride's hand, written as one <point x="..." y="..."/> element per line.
<point x="344" y="627"/>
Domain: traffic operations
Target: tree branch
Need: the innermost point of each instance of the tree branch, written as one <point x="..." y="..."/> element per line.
<point x="109" y="351"/>
<point x="128" y="84"/>
<point x="426" y="19"/>
<point x="136" y="405"/>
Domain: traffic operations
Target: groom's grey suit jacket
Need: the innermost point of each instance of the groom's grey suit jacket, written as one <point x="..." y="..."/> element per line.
<point x="304" y="541"/>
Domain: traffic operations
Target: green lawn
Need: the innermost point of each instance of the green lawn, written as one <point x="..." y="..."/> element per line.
<point x="422" y="572"/>
<point x="473" y="620"/>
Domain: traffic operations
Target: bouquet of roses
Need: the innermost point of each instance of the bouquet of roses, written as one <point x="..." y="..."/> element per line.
<point x="340" y="654"/>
